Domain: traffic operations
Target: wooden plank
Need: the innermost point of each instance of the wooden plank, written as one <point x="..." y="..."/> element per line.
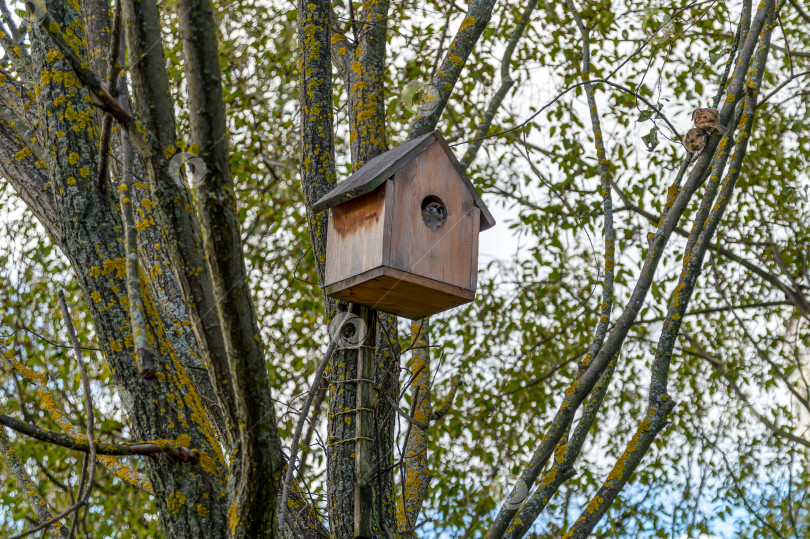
<point x="355" y="236"/>
<point x="364" y="427"/>
<point x="400" y="293"/>
<point x="354" y="280"/>
<point x="442" y="254"/>
<point x="388" y="225"/>
<point x="475" y="222"/>
<point x="486" y="219"/>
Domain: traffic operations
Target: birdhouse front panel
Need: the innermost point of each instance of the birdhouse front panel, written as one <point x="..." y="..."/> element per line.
<point x="442" y="244"/>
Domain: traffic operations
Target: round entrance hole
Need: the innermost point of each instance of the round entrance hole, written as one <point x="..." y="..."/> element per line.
<point x="434" y="212"/>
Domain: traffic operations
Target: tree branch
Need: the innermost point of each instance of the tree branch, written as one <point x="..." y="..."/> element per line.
<point x="84" y="490"/>
<point x="317" y="130"/>
<point x="83" y="71"/>
<point x="302" y="419"/>
<point x="417" y="474"/>
<point x="718" y="366"/>
<point x="29" y="488"/>
<point x="143" y="350"/>
<point x="447" y="403"/>
<point x="20" y="168"/>
<point x="468" y="34"/>
<point x="183" y="235"/>
<point x="116" y="61"/>
<point x="168" y="447"/>
<point x="506" y="84"/>
<point x="259" y="454"/>
<point x="659" y="403"/>
<point x="119" y="469"/>
<point x="563" y="468"/>
<point x="366" y="85"/>
<point x="14" y="49"/>
<point x="674" y="208"/>
<point x="9" y="22"/>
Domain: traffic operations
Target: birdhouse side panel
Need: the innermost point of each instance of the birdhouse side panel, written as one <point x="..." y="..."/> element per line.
<point x="476" y="226"/>
<point x="355" y="236"/>
<point x="422" y="242"/>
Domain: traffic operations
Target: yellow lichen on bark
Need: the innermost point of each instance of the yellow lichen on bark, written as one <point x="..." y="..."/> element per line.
<point x="175" y="501"/>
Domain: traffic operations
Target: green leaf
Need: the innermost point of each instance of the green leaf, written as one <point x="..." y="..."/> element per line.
<point x="651" y="139"/>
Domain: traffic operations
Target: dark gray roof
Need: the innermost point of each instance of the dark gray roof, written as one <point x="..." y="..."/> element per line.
<point x="375" y="172"/>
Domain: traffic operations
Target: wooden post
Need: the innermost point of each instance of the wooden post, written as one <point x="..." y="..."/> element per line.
<point x="364" y="426"/>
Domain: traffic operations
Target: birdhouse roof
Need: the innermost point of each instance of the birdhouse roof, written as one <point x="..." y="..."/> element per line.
<point x="375" y="172"/>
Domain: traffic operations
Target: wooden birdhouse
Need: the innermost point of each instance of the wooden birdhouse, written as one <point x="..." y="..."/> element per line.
<point x="403" y="231"/>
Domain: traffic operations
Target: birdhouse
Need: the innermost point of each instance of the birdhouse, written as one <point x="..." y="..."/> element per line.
<point x="403" y="231"/>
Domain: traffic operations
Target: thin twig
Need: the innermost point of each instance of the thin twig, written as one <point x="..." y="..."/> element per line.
<point x="625" y="89"/>
<point x="50" y="521"/>
<point x="804" y="15"/>
<point x="723" y="371"/>
<point x="112" y="77"/>
<point x="80" y="485"/>
<point x="40" y="337"/>
<point x="84" y="492"/>
<point x="122" y="449"/>
<point x="143" y="350"/>
<point x="86" y="76"/>
<point x="782" y="85"/>
<point x="313" y="389"/>
<point x="762" y="354"/>
<point x="402" y="413"/>
<point x="506" y="83"/>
